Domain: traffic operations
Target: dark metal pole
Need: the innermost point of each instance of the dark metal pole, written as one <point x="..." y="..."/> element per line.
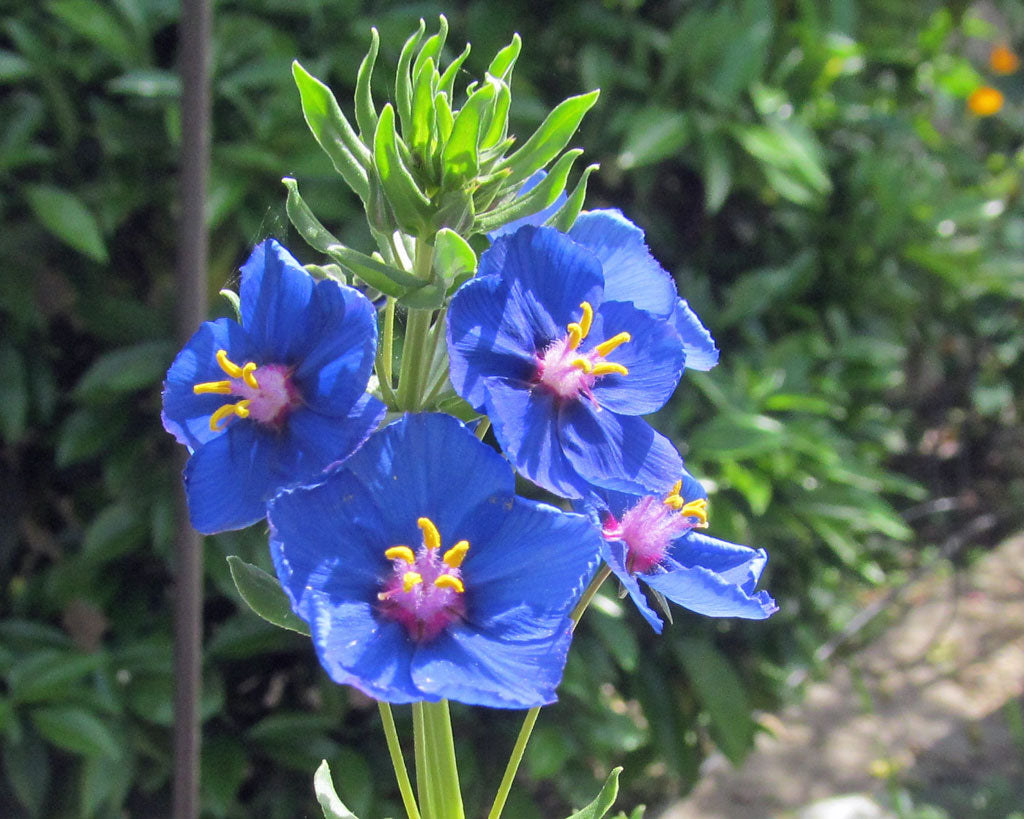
<point x="194" y="37"/>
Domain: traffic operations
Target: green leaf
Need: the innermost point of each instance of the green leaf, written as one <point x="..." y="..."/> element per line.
<point x="125" y="370"/>
<point x="76" y="730"/>
<point x="351" y="158"/>
<point x="411" y="206"/>
<point x="100" y="26"/>
<point x="331" y="805"/>
<point x="722" y="695"/>
<point x="13" y="67"/>
<point x="605" y="799"/>
<point x="50" y="674"/>
<point x="88" y="431"/>
<point x="454" y="259"/>
<point x="422" y="126"/>
<point x="403" y="76"/>
<point x="233" y="300"/>
<point x="264" y="595"/>
<point x="550" y="138"/>
<point x="539" y="197"/>
<point x="565" y="217"/>
<point x="116" y="530"/>
<point x="431" y="49"/>
<point x="446" y="85"/>
<point x="366" y="113"/>
<point x="149" y="83"/>
<point x="104" y="780"/>
<point x="383" y="277"/>
<point x="64" y="215"/>
<point x="26" y="766"/>
<point x="505" y="60"/>
<point x="461" y="153"/>
<point x="654" y="134"/>
<point x="738" y="436"/>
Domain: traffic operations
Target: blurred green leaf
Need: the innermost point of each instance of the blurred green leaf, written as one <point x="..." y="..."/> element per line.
<point x="125" y="370"/>
<point x="722" y="695"/>
<point x="63" y="214"/>
<point x="26" y="766"/>
<point x="76" y="730"/>
<point x="604" y="800"/>
<point x="100" y="26"/>
<point x="50" y="674"/>
<point x="654" y="134"/>
<point x="14" y="397"/>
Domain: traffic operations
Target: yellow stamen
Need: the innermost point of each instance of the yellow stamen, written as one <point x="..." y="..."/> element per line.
<point x="455" y="555"/>
<point x="431" y="537"/>
<point x="400" y="553"/>
<point x="228" y="365"/>
<point x="212" y="387"/>
<point x="410" y="579"/>
<point x="447" y="581"/>
<point x="241" y="409"/>
<point x="697" y="509"/>
<point x="248" y="377"/>
<point x="583" y="364"/>
<point x="575" y="335"/>
<point x="673" y="498"/>
<point x="588" y="317"/>
<point x="608" y="367"/>
<point x="610" y="344"/>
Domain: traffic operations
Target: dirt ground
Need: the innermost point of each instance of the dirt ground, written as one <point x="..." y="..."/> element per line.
<point x="930" y="713"/>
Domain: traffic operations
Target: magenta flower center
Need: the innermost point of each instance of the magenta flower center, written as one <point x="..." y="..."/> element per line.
<point x="424" y="591"/>
<point x="569" y="372"/>
<point x="651" y="524"/>
<point x="267" y="394"/>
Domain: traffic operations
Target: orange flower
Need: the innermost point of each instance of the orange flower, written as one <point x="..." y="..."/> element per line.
<point x="1003" y="60"/>
<point x="985" y="101"/>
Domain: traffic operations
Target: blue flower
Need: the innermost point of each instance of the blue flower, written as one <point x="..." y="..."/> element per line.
<point x="276" y="399"/>
<point x="632" y="274"/>
<point x="422" y="576"/>
<point x="562" y="372"/>
<point x="654" y="539"/>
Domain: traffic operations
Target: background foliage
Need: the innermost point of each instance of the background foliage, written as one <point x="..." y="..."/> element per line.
<point x="807" y="170"/>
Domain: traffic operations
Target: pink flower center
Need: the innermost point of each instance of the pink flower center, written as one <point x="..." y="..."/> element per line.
<point x="424" y="591"/>
<point x="568" y="372"/>
<point x="266" y="393"/>
<point x="651" y="524"/>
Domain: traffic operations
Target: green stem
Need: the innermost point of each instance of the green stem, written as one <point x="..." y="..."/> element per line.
<point x="442" y="770"/>
<point x="482" y="427"/>
<point x="386" y="350"/>
<point x="398" y="761"/>
<point x="417" y="330"/>
<point x="423" y="770"/>
<point x="531" y="716"/>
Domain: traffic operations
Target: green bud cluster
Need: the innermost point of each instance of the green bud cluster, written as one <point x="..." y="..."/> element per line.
<point x="430" y="172"/>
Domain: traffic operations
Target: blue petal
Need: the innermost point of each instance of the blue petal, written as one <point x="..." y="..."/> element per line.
<point x="509" y="670"/>
<point x="653" y="356"/>
<point x="312" y="442"/>
<point x="328" y="538"/>
<point x="699" y="346"/>
<point x="548" y="276"/>
<point x="614" y="553"/>
<point x="526" y="555"/>
<point x="621" y="452"/>
<point x="526" y="424"/>
<point x="274" y="295"/>
<point x="714" y="578"/>
<point x="357" y="648"/>
<point x="538" y="218"/>
<point x="483" y="343"/>
<point x="630" y="271"/>
<point x="342" y="326"/>
<point x="187" y="415"/>
<point x="229" y="479"/>
<point x="429" y="465"/>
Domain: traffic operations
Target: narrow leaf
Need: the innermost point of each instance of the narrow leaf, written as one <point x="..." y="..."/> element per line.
<point x="330" y="803"/>
<point x="496" y="127"/>
<point x="550" y="138"/>
<point x="461" y="152"/>
<point x="565" y="217"/>
<point x="453" y="257"/>
<point x="422" y="125"/>
<point x="403" y="77"/>
<point x="351" y="158"/>
<point x="447" y="83"/>
<point x="76" y="730"/>
<point x="125" y="370"/>
<point x="605" y="799"/>
<point x="505" y="60"/>
<point x="538" y="198"/>
<point x="411" y="207"/>
<point x="366" y="113"/>
<point x="63" y="214"/>
<point x="264" y="595"/>
<point x="431" y="49"/>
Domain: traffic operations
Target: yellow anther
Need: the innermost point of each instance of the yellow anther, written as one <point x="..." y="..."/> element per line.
<point x="241" y="409"/>
<point x="696" y="509"/>
<point x="228" y="365"/>
<point x="455" y="555"/>
<point x="400" y="553"/>
<point x="610" y="344"/>
<point x="673" y="498"/>
<point x="582" y="364"/>
<point x="447" y="581"/>
<point x="431" y="537"/>
<point x="250" y="379"/>
<point x="212" y="387"/>
<point x="608" y="367"/>
<point x="575" y="335"/>
<point x="588" y="317"/>
<point x="410" y="579"/>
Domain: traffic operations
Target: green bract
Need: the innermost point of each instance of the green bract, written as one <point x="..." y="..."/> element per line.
<point x="437" y="159"/>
